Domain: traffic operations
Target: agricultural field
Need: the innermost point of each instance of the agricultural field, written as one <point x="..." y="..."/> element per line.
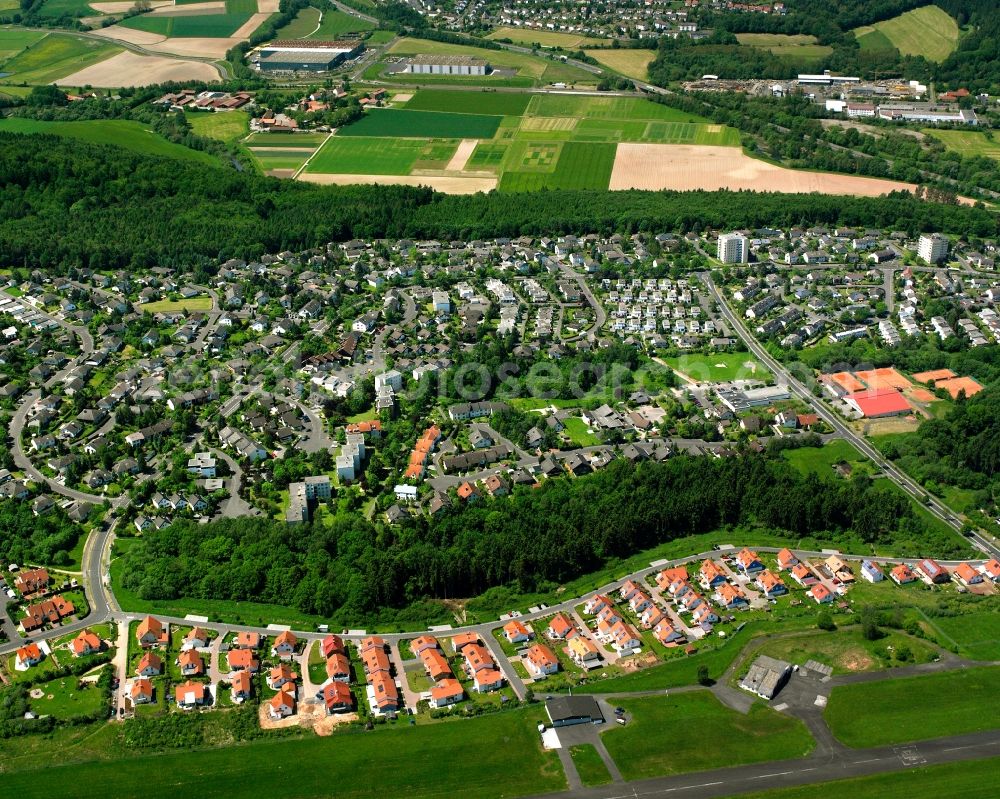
<point x="530" y="37"/>
<point x="479" y="753"/>
<point x="640" y="750"/>
<point x="310" y="24"/>
<point x="527" y="142"/>
<point x="53" y="57"/>
<point x="119" y="132"/>
<point x="54" y="9"/>
<point x="894" y="711"/>
<point x="491" y="103"/>
<point x="286" y="140"/>
<point x="14" y="40"/>
<point x="968" y="143"/>
<point x="170" y="306"/>
<point x="567" y="165"/>
<point x="391" y="122"/>
<point x="632" y="63"/>
<point x="227" y="126"/>
<point x="800" y="47"/>
<point x="927" y="31"/>
<point x="208" y="26"/>
<point x="379" y="156"/>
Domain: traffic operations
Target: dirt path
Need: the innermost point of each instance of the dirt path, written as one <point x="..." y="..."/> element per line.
<point x="462" y="155"/>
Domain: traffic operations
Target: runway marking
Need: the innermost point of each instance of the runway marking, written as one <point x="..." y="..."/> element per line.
<point x="782" y="773"/>
<point x="873" y="760"/>
<point x="957" y="748"/>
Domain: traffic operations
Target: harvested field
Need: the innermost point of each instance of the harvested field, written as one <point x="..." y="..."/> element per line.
<point x="131" y="69"/>
<point x="199" y="48"/>
<point x="447" y="185"/>
<point x="461" y="157"/>
<point x="690" y="167"/>
<point x="129" y="35"/>
<point x="191" y="10"/>
<point x="268" y="6"/>
<point x="248" y="27"/>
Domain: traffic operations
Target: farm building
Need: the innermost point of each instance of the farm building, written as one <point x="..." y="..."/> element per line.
<point x="447" y="65"/>
<point x="294" y="55"/>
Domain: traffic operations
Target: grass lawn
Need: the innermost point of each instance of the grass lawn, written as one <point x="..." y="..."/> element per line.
<point x="898" y="711"/>
<point x="227" y="126"/>
<point x="926" y="31"/>
<point x="576" y="429"/>
<point x="165" y="306"/>
<point x="120" y="132"/>
<point x="968" y="143"/>
<point x="641" y="750"/>
<point x="928" y="782"/>
<point x="390" y="122"/>
<point x="847" y="651"/>
<point x="719" y="367"/>
<point x="65" y="700"/>
<point x="628" y="62"/>
<point x="820" y="460"/>
<point x="589" y="765"/>
<point x="305" y="22"/>
<point x="335" y="24"/>
<point x="212" y="26"/>
<point x="56" y="56"/>
<point x="502" y="103"/>
<point x="367" y="416"/>
<point x="379" y="156"/>
<point x="14" y="40"/>
<point x="479" y="753"/>
<point x="800" y="46"/>
<point x="976" y="633"/>
<point x="529" y="38"/>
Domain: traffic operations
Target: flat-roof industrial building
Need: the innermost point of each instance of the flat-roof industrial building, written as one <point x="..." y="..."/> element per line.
<point x="564" y="711"/>
<point x="305" y="55"/>
<point x="447" y="65"/>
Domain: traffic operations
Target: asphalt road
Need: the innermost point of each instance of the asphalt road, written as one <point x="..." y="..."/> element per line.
<point x="788" y="773"/>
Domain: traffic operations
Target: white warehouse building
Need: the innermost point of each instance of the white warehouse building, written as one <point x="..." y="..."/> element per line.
<point x="447" y="65"/>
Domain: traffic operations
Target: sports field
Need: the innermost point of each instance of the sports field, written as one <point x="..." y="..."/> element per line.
<point x="927" y="31"/>
<point x="631" y="63"/>
<point x="478" y="755"/>
<point x="55" y="56"/>
<point x="423" y="124"/>
<point x="120" y="132"/>
<point x="968" y="143"/>
<point x="529" y="37"/>
<point x="378" y="156"/>
<point x="913" y="708"/>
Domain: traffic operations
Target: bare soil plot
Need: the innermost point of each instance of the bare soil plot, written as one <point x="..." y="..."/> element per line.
<point x="462" y="155"/>
<point x="129" y="35"/>
<point x="268" y="6"/>
<point x="131" y="69"/>
<point x="200" y="48"/>
<point x="248" y="27"/>
<point x="690" y="167"/>
<point x="447" y="185"/>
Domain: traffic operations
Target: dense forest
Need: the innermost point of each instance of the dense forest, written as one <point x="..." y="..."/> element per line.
<point x="65" y="203"/>
<point x="25" y="538"/>
<point x="531" y="540"/>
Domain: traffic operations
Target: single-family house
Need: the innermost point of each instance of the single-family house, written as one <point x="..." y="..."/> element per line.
<point x="280" y="676"/>
<point x="821" y="594"/>
<point x="151" y="632"/>
<point x="540" y="661"/>
<point x="902" y="574"/>
<point x="966" y="575"/>
<point x="337" y="697"/>
<point x="141" y="691"/>
<point x="446" y="692"/>
<point x="281" y="705"/>
<point x="515" y="632"/>
<point x="191" y="694"/>
<point x="871" y="571"/>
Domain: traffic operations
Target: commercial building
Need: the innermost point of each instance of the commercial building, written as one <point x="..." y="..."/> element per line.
<point x="303" y="55"/>
<point x="733" y="248"/>
<point x="447" y="65"/>
<point x="564" y="711"/>
<point x="932" y="248"/>
<point x="874" y="404"/>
